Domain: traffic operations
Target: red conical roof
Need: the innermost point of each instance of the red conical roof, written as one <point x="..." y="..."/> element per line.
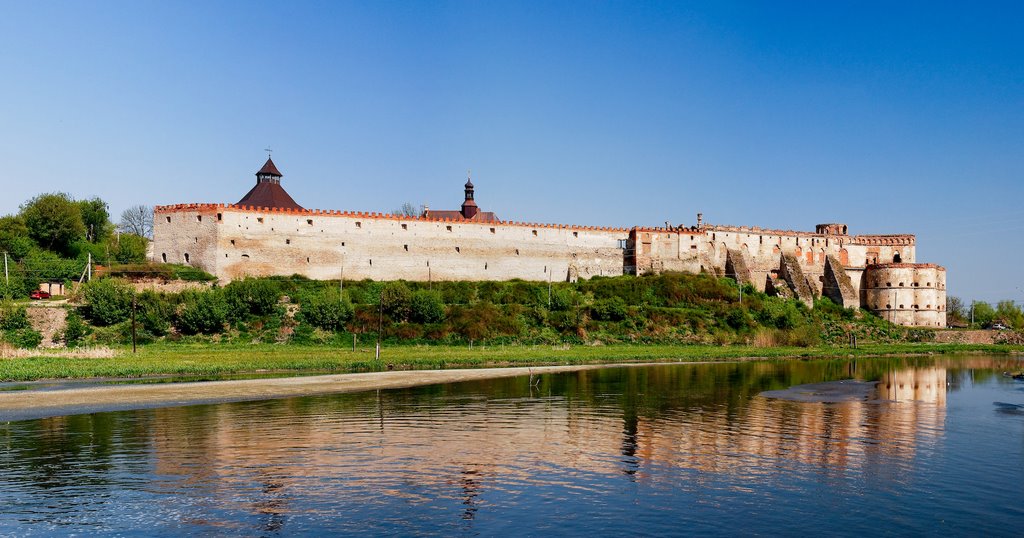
<point x="268" y="195"/>
<point x="269" y="168"/>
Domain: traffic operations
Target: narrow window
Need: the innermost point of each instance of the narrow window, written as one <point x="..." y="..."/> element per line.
<point x="168" y="219"/>
<point x="405" y="226"/>
<point x="186" y="257"/>
<point x="575" y="234"/>
<point x="359" y="224"/>
<point x="309" y="222"/>
<point x="492" y="230"/>
<point x="232" y="242"/>
<point x="457" y="249"/>
<point x="287" y="241"/>
<point x="535" y="232"/>
<point x="342" y="243"/>
<point x="163" y="257"/>
<point x="449" y="228"/>
<point x="485" y="266"/>
<point x="517" y="252"/>
<point x="199" y="218"/>
<point x="259" y="220"/>
<point x="220" y="216"/>
<point x="307" y="259"/>
<point x="406" y="247"/>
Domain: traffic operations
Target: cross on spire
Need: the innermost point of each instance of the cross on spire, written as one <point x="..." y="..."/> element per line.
<point x="269" y="151"/>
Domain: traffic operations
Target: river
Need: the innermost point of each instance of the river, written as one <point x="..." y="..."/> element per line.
<point x="653" y="450"/>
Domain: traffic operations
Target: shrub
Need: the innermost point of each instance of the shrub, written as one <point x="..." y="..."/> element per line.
<point x="251" y="297"/>
<point x="326" y="310"/>
<point x="108" y="301"/>
<point x="396" y="300"/>
<point x="26" y="338"/>
<point x="563" y="298"/>
<point x="13" y="317"/>
<point x="75" y="329"/>
<point x="426" y="307"/>
<point x="202" y="312"/>
<point x="611" y="309"/>
<point x="154" y="313"/>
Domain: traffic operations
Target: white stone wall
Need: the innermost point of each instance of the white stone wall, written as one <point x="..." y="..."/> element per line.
<point x="322" y="245"/>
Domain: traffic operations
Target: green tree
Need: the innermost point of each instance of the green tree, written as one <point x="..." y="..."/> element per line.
<point x="202" y="312"/>
<point x="108" y="301"/>
<point x="96" y="218"/>
<point x="251" y="297"/>
<point x="327" y="310"/>
<point x="130" y="248"/>
<point x="54" y="221"/>
<point x="396" y="300"/>
<point x="14" y="238"/>
<point x="426" y="307"/>
<point x="1010" y="313"/>
<point x="983" y="313"/>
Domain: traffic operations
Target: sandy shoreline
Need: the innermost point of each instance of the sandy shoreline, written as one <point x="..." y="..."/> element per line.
<point x="23" y="405"/>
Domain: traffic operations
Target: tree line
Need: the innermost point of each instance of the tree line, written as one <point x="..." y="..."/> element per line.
<point x="52" y="235"/>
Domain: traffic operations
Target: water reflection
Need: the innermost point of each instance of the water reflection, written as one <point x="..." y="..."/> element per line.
<point x="481" y="456"/>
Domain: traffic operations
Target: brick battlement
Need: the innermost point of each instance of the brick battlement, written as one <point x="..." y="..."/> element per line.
<point x="212" y="208"/>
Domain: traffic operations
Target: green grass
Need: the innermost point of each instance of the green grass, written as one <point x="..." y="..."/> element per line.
<point x="227" y="359"/>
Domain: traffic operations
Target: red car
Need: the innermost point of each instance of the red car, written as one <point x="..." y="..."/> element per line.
<point x="39" y="294"/>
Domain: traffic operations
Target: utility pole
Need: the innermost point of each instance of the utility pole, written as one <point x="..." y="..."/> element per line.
<point x="549" y="289"/>
<point x="341" y="281"/>
<point x="88" y="268"/>
<point x="134" y="333"/>
<point x="380" y="326"/>
<point x="972" y="313"/>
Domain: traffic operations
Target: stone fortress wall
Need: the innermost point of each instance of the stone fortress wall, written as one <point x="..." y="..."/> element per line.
<point x="268" y="234"/>
<point x="233" y="241"/>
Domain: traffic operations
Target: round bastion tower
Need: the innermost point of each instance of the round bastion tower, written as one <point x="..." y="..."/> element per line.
<point x="911" y="294"/>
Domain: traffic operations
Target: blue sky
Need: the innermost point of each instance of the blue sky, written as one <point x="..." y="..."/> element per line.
<point x="891" y="117"/>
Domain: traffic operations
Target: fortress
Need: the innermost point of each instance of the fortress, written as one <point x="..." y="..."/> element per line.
<point x="267" y="233"/>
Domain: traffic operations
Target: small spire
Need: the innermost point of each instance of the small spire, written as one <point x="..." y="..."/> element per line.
<point x="469" y="178"/>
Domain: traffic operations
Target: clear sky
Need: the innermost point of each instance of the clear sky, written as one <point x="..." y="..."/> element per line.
<point x="892" y="117"/>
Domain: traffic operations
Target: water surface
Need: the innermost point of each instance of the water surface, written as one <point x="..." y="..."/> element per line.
<point x="659" y="450"/>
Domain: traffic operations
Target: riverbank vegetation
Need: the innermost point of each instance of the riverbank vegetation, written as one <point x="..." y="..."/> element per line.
<point x="671" y="309"/>
<point x="667" y="309"/>
<point x="200" y="360"/>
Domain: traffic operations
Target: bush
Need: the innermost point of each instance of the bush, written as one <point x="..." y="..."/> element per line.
<point x="396" y="300"/>
<point x="202" y="312"/>
<point x="426" y="307"/>
<point x="108" y="301"/>
<point x="75" y="329"/>
<point x="154" y="313"/>
<point x="611" y="309"/>
<point x="26" y="338"/>
<point x="251" y="297"/>
<point x="326" y="310"/>
<point x="13" y="317"/>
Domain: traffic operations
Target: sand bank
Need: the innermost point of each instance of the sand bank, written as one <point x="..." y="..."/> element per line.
<point x="21" y="405"/>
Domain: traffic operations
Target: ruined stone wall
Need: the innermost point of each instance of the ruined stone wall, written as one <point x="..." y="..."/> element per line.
<point x="906" y="293"/>
<point x="707" y="249"/>
<point x="324" y="244"/>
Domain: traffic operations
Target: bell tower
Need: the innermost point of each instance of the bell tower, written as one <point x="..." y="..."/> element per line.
<point x="469" y="207"/>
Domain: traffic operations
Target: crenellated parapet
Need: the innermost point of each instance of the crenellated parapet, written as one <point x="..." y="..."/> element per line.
<point x="213" y="208"/>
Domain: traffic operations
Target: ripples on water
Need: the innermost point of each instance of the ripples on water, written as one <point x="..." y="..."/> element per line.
<point x="673" y="449"/>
